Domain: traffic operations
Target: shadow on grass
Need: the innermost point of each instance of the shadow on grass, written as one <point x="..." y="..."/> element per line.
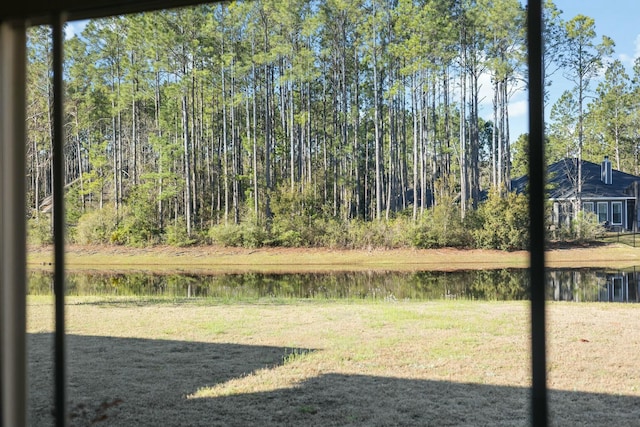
<point x="139" y="382"/>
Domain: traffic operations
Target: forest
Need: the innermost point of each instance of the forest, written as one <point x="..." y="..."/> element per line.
<point x="313" y="123"/>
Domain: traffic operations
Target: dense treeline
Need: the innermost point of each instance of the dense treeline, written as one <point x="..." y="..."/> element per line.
<point x="290" y="122"/>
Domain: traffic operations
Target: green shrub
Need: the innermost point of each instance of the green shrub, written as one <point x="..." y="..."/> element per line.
<point x="333" y="234"/>
<point x="39" y="230"/>
<point x="422" y="237"/>
<point x="401" y="230"/>
<point x="176" y="234"/>
<point x="296" y="218"/>
<point x="290" y="238"/>
<point x="369" y="234"/>
<point x="254" y="236"/>
<point x="138" y="225"/>
<point x="441" y="226"/>
<point x="226" y="235"/>
<point x="96" y="227"/>
<point x="73" y="205"/>
<point x="503" y="222"/>
<point x="288" y="229"/>
<point x="584" y="228"/>
<point x="118" y="237"/>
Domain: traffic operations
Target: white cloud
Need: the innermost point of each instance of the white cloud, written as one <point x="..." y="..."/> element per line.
<point x="485" y="89"/>
<point x="628" y="60"/>
<point x="636" y="43"/>
<point x="518" y="109"/>
<point x="74" y="28"/>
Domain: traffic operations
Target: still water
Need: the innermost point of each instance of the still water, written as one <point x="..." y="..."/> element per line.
<point x="506" y="284"/>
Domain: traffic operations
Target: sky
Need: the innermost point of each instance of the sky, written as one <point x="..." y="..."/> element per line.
<point x="617" y="19"/>
<point x="74" y="27"/>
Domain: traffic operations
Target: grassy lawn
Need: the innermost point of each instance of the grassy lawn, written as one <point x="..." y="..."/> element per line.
<point x="199" y="363"/>
<point x="279" y="362"/>
<point x="629" y="239"/>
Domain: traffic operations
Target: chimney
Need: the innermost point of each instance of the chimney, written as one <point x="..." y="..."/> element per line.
<point x="605" y="171"/>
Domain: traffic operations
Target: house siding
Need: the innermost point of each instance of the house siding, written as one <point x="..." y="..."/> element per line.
<point x="626" y="223"/>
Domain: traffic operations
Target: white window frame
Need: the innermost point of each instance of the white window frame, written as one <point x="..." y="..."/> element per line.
<point x="588" y="207"/>
<point x="606" y="211"/>
<point x="619" y="284"/>
<point x="613" y="213"/>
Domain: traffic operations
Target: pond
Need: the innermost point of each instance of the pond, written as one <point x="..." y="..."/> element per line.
<point x="505" y="284"/>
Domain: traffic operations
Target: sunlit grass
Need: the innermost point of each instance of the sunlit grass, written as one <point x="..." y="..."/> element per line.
<point x="630" y="239"/>
<point x="271" y="260"/>
<point x="218" y="260"/>
<point x="447" y="342"/>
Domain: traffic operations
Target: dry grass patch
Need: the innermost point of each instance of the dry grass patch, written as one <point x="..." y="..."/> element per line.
<point x="334" y="363"/>
<point x="594" y="350"/>
<point x="215" y="259"/>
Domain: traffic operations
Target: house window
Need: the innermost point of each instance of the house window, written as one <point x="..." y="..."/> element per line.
<point x="587" y="207"/>
<point x="618" y="289"/>
<point x="616" y="217"/>
<point x="602" y="212"/>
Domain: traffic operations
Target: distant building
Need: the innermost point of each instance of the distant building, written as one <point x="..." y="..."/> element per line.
<point x="610" y="194"/>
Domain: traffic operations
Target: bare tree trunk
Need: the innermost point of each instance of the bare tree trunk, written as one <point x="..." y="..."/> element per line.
<point x="378" y="136"/>
<point x="292" y="159"/>
<point x="255" y="137"/>
<point x="114" y="142"/>
<point x="494" y="136"/>
<point x="500" y="129"/>
<point x="414" y="115"/>
<point x="80" y="171"/>
<point x="156" y="103"/>
<point x="36" y="189"/>
<point x="390" y="163"/>
<point x="474" y="142"/>
<point x="235" y="161"/>
<point x="422" y="106"/>
<point x="463" y="140"/>
<point x="507" y="145"/>
<point x="187" y="162"/>
<point x="134" y="123"/>
<point x="267" y="145"/>
<point x="225" y="142"/>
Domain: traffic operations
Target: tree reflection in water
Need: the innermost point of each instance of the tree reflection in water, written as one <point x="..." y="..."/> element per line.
<point x="505" y="284"/>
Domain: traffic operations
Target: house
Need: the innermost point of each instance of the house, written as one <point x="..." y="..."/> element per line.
<point x="610" y="194"/>
<point x="594" y="284"/>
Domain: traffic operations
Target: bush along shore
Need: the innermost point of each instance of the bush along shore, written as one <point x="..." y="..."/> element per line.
<point x="501" y="222"/>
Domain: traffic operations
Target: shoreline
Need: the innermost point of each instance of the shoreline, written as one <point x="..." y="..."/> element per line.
<point x="219" y="259"/>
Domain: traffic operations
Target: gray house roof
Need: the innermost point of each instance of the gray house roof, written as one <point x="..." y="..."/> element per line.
<point x="562" y="181"/>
